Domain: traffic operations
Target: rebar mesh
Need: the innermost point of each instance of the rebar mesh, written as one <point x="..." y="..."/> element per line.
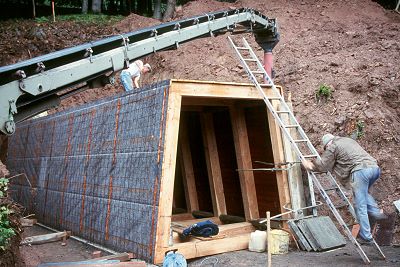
<point x="95" y="170"/>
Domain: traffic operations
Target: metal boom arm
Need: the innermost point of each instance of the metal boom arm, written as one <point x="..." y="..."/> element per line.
<point x="30" y="87"/>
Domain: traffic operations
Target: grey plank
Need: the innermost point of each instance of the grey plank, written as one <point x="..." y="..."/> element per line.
<point x="304" y="230"/>
<point x="324" y="233"/>
<point x="299" y="236"/>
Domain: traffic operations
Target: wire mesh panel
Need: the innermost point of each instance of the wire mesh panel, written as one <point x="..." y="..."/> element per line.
<point x="95" y="170"/>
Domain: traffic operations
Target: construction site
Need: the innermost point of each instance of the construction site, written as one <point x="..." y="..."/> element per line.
<point x="206" y="161"/>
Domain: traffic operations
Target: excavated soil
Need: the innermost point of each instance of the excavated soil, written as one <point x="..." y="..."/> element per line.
<point x="352" y="46"/>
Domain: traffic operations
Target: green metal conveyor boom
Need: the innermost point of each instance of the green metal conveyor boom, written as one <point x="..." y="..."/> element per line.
<point x="33" y="86"/>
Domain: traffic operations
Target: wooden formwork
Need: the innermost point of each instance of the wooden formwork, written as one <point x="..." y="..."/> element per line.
<point x="213" y="131"/>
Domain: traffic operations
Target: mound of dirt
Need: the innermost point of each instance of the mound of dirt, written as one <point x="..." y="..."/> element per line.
<point x="24" y="39"/>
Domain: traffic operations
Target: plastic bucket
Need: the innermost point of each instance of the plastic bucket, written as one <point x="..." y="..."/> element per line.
<point x="279" y="242"/>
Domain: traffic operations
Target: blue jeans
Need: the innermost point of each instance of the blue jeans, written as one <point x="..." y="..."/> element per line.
<point x="364" y="203"/>
<point x="126" y="80"/>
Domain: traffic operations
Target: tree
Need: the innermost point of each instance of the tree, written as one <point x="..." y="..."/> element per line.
<point x="157" y="9"/>
<point x="144" y="7"/>
<point x="170" y="10"/>
<point x="85" y="6"/>
<point x="96" y="6"/>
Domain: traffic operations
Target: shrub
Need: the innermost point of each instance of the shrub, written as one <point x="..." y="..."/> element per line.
<point x="323" y="92"/>
<point x="360" y="129"/>
<point x="6" y="231"/>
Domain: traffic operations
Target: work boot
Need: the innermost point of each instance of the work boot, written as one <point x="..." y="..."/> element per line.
<point x="363" y="241"/>
<point x="378" y="216"/>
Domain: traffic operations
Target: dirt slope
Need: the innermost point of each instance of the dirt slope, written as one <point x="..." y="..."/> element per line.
<point x="352" y="46"/>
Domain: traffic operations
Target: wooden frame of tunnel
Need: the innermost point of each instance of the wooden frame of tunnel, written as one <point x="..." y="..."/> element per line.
<point x="232" y="236"/>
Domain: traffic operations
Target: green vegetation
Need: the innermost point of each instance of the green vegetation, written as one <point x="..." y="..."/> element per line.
<point x="6" y="231"/>
<point x="84" y="18"/>
<point x="360" y="129"/>
<point x="323" y="92"/>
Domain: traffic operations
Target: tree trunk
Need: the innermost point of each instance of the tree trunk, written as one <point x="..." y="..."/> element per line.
<point x="85" y="6"/>
<point x="157" y="9"/>
<point x="170" y="10"/>
<point x="33" y="9"/>
<point x="129" y="6"/>
<point x="96" y="6"/>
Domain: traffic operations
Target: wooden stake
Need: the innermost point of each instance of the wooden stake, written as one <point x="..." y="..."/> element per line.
<point x="269" y="238"/>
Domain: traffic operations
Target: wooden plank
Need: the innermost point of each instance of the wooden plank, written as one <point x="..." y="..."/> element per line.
<point x="168" y="170"/>
<point x="41" y="239"/>
<point x="120" y="256"/>
<point x="215" y="89"/>
<point x="27" y="222"/>
<point x="193" y="221"/>
<point x="197" y="102"/>
<point x="324" y="233"/>
<point x="96" y="264"/>
<point x="277" y="148"/>
<point x="188" y="178"/>
<point x="243" y="157"/>
<point x="295" y="179"/>
<point x="212" y="162"/>
<point x="302" y="241"/>
<point x="182" y="216"/>
<point x="198" y="248"/>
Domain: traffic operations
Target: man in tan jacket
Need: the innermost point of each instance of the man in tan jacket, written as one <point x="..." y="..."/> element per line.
<point x="355" y="169"/>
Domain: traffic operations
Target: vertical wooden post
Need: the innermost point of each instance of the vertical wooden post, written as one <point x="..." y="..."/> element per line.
<point x="243" y="158"/>
<point x="294" y="174"/>
<point x="213" y="166"/>
<point x="277" y="147"/>
<point x="269" y="238"/>
<point x="188" y="178"/>
<point x="168" y="171"/>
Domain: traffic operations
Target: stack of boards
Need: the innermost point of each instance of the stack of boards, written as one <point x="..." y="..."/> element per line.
<point x="317" y="234"/>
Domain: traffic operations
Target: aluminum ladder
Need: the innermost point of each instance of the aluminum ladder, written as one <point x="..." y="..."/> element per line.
<point x="325" y="182"/>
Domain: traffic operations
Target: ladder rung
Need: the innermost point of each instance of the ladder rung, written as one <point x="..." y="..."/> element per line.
<point x="250" y="59"/>
<point x="332" y="188"/>
<point x="242" y="48"/>
<point x="292" y="126"/>
<point x="342" y="206"/>
<point x="274" y="98"/>
<point x="310" y="156"/>
<point x="283" y="111"/>
<point x="300" y="141"/>
<point x="257" y="72"/>
<point x="265" y="84"/>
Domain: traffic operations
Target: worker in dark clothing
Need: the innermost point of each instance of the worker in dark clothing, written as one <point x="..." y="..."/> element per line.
<point x="355" y="169"/>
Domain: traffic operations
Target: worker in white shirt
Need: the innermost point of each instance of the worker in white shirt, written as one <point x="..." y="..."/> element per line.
<point x="130" y="76"/>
